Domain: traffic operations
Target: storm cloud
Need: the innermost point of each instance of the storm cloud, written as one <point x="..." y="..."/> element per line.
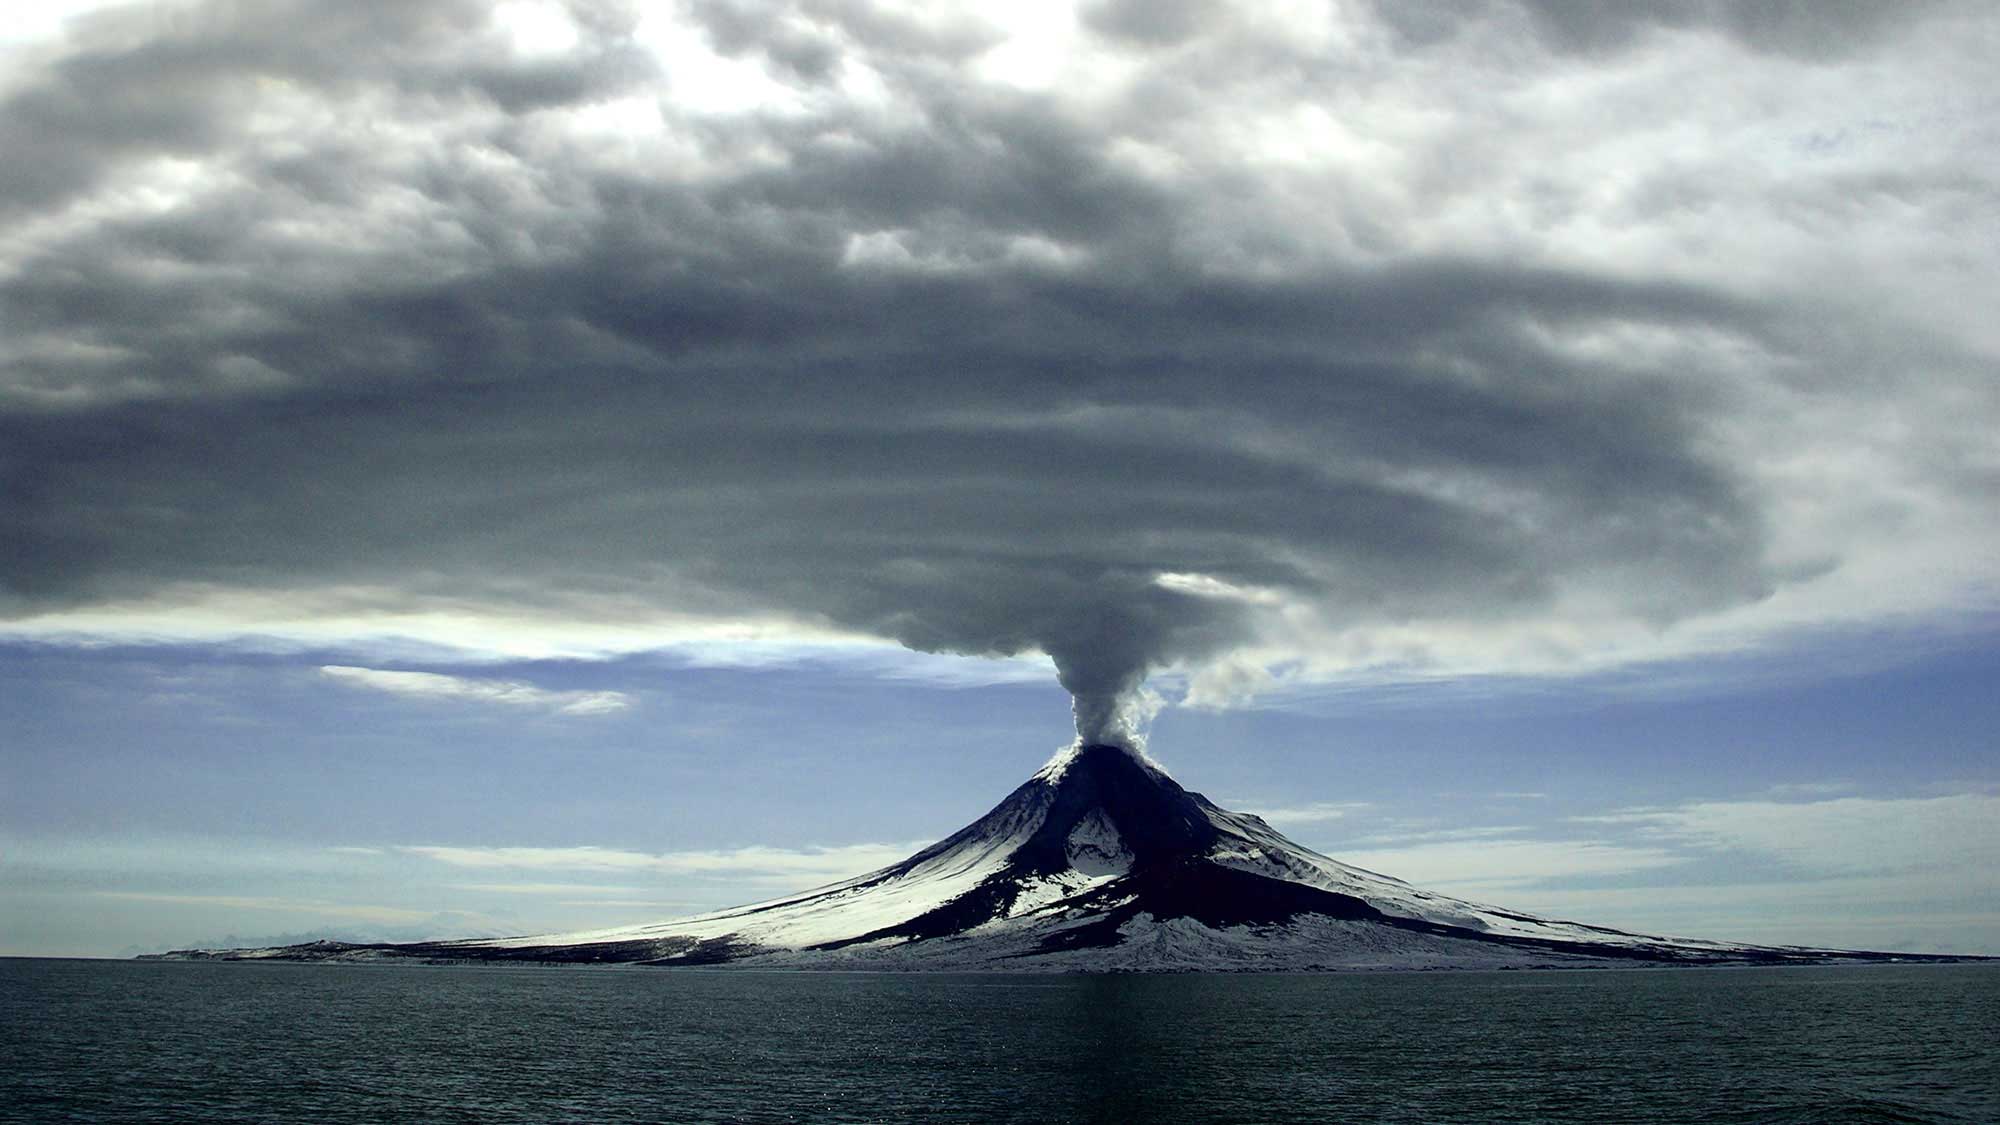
<point x="1245" y="340"/>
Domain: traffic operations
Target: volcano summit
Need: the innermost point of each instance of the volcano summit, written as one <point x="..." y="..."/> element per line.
<point x="1100" y="861"/>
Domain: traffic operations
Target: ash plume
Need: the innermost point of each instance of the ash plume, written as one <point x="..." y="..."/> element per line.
<point x="1190" y="357"/>
<point x="1103" y="660"/>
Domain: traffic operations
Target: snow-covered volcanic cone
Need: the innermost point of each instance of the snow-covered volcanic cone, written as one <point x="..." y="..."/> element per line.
<point x="1100" y="861"/>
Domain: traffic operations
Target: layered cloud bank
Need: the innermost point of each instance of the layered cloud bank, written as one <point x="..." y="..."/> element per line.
<point x="1259" y="340"/>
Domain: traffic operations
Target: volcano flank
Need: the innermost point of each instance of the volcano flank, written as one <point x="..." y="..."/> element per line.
<point x="1100" y="861"/>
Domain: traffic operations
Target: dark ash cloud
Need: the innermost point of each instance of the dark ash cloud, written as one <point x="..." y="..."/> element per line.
<point x="906" y="351"/>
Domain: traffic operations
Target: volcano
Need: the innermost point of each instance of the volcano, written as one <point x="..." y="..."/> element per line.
<point x="1100" y="861"/>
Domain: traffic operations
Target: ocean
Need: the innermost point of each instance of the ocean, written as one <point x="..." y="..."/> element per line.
<point x="109" y="1041"/>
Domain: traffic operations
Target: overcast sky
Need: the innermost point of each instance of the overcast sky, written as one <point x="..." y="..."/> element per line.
<point x="474" y="466"/>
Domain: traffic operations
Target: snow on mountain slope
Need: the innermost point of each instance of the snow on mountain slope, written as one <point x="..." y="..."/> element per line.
<point x="1101" y="861"/>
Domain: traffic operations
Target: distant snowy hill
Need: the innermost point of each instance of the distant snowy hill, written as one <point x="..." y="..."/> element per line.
<point x="1100" y="861"/>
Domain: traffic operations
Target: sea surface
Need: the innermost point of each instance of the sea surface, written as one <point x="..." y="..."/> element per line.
<point x="128" y="1041"/>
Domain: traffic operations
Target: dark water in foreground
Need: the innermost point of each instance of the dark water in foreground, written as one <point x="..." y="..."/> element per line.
<point x="121" y="1041"/>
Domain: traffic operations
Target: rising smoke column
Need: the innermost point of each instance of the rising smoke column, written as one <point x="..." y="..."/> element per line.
<point x="1103" y="653"/>
<point x="1105" y="628"/>
<point x="1109" y="709"/>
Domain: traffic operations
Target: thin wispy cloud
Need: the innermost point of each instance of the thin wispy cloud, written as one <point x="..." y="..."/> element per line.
<point x="676" y="905"/>
<point x="1845" y="835"/>
<point x="357" y="912"/>
<point x="1812" y="788"/>
<point x="1316" y="812"/>
<point x="543" y="888"/>
<point x="1855" y="912"/>
<point x="1421" y="832"/>
<point x="1476" y="866"/>
<point x="1874" y="872"/>
<point x="751" y="865"/>
<point x="509" y="693"/>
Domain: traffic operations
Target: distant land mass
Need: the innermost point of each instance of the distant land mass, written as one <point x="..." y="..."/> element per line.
<point x="1099" y="862"/>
